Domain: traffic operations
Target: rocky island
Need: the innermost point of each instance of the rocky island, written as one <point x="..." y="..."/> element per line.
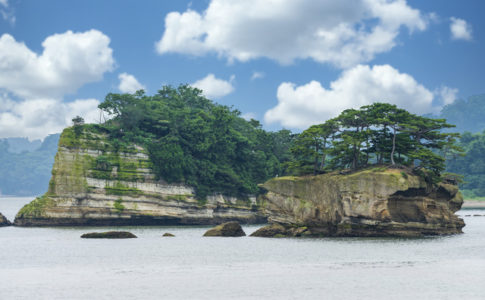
<point x="378" y="201"/>
<point x="4" y="221"/>
<point x="93" y="184"/>
<point x="176" y="158"/>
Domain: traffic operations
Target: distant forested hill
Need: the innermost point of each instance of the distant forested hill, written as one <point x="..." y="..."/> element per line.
<point x="467" y="115"/>
<point x="25" y="167"/>
<point x="472" y="165"/>
<point x="469" y="118"/>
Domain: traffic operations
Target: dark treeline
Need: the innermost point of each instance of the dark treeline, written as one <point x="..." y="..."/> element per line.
<point x="375" y="134"/>
<point x="192" y="140"/>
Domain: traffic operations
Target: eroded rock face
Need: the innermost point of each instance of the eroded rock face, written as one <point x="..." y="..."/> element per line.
<point x="96" y="183"/>
<point x="229" y="229"/>
<point x="109" y="235"/>
<point x="4" y="221"/>
<point x="372" y="202"/>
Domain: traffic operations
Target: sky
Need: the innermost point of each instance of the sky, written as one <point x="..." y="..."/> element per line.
<point x="287" y="63"/>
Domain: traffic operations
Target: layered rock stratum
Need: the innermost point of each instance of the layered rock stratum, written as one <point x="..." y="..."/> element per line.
<point x="379" y="201"/>
<point x="98" y="181"/>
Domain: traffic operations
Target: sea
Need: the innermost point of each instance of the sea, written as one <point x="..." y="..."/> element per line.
<point x="55" y="263"/>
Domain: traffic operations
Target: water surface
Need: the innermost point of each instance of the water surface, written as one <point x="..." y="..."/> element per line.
<point x="54" y="263"/>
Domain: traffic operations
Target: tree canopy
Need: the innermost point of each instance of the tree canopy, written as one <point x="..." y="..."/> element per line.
<point x="195" y="141"/>
<point x="380" y="133"/>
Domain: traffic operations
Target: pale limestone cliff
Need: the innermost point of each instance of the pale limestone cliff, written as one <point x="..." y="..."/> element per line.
<point x="372" y="202"/>
<point x="97" y="182"/>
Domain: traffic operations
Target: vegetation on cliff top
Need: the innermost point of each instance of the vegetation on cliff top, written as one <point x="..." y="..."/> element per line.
<point x="194" y="141"/>
<point x="379" y="133"/>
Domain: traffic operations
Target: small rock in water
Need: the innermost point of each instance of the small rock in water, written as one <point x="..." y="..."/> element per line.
<point x="168" y="234"/>
<point x="273" y="230"/>
<point x="230" y="229"/>
<point x="109" y="235"/>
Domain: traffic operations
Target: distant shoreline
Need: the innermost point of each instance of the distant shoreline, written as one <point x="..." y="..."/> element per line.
<point x="470" y="204"/>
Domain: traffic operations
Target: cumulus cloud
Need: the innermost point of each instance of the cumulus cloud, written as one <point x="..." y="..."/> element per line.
<point x="257" y="75"/>
<point x="460" y="29"/>
<point x="38" y="118"/>
<point x="213" y="87"/>
<point x="68" y="61"/>
<point x="32" y="86"/>
<point x="343" y="33"/>
<point x="129" y="84"/>
<point x="302" y="106"/>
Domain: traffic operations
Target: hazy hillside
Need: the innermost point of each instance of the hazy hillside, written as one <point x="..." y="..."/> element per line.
<point x="467" y="115"/>
<point x="25" y="167"/>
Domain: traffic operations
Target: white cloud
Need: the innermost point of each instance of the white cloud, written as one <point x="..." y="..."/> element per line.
<point x="302" y="106"/>
<point x="213" y="87"/>
<point x="40" y="81"/>
<point x="38" y="118"/>
<point x="69" y="60"/>
<point x="343" y="33"/>
<point x="460" y="29"/>
<point x="4" y="3"/>
<point x="445" y="95"/>
<point x="129" y="84"/>
<point x="257" y="75"/>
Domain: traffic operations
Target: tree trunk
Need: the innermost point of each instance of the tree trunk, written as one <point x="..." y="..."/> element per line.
<point x="324" y="155"/>
<point x="315" y="166"/>
<point x="393" y="145"/>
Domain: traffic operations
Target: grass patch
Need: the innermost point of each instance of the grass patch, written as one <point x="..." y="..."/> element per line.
<point x="36" y="208"/>
<point x="118" y="205"/>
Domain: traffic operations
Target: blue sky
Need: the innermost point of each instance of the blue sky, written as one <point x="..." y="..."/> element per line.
<point x="286" y="63"/>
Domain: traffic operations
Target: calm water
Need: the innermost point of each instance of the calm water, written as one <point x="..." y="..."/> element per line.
<point x="54" y="263"/>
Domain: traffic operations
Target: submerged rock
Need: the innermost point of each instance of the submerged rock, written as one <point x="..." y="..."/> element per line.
<point x="371" y="202"/>
<point x="168" y="234"/>
<point x="109" y="235"/>
<point x="4" y="221"/>
<point x="96" y="182"/>
<point x="229" y="229"/>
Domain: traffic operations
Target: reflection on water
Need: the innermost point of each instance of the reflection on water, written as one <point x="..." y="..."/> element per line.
<point x="54" y="263"/>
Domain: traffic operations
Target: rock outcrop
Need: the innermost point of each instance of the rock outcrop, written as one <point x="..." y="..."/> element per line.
<point x="4" y="221"/>
<point x="96" y="181"/>
<point x="371" y="202"/>
<point x="229" y="229"/>
<point x="109" y="235"/>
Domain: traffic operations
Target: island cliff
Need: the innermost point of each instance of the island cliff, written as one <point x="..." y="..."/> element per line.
<point x="379" y="201"/>
<point x="95" y="181"/>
